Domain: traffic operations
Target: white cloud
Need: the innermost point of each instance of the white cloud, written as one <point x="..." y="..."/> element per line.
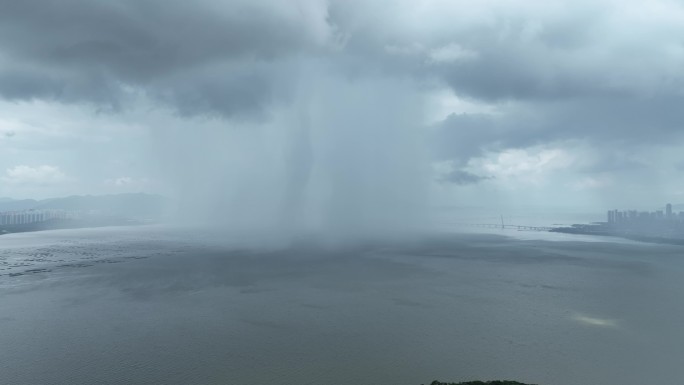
<point x="526" y="164"/>
<point x="129" y="183"/>
<point x="450" y="53"/>
<point x="39" y="175"/>
<point x="445" y="54"/>
<point x="441" y="103"/>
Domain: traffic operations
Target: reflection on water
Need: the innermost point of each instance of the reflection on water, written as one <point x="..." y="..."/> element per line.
<point x="161" y="306"/>
<point x="593" y="321"/>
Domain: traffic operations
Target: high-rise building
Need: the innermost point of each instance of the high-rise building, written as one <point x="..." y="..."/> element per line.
<point x="668" y="210"/>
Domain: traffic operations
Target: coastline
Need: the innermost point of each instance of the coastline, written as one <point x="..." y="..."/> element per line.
<point x="600" y="230"/>
<point x="59" y="224"/>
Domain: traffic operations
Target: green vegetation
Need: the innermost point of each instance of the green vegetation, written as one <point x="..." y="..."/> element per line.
<point x="479" y="383"/>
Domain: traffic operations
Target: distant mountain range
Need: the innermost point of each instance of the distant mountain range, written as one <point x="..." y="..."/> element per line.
<point x="134" y="206"/>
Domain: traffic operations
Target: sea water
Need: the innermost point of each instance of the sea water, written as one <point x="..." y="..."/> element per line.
<point x="155" y="305"/>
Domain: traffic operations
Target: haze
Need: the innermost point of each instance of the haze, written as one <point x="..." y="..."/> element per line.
<point x="343" y="116"/>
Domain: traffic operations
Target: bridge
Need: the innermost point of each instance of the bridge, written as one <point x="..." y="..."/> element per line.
<point x="504" y="226"/>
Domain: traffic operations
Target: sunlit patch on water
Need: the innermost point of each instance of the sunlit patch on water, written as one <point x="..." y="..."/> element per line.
<point x="595" y="321"/>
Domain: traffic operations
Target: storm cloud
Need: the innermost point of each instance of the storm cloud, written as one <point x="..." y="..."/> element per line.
<point x="316" y="108"/>
<point x="200" y="57"/>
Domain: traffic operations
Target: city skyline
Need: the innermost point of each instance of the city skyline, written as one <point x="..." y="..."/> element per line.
<point x="617" y="216"/>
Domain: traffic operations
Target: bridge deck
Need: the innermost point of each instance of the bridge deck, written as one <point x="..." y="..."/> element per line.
<point x="503" y="227"/>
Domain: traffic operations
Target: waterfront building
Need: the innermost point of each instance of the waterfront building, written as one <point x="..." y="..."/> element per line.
<point x="632" y="218"/>
<point x="9" y="218"/>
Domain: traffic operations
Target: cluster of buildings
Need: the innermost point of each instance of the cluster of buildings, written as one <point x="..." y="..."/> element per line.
<point x="35" y="216"/>
<point x="616" y="217"/>
<point x="661" y="225"/>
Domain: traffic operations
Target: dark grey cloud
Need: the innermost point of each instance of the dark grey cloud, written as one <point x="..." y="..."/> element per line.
<point x="227" y="57"/>
<point x="143" y="39"/>
<point x="613" y="161"/>
<point x="461" y="137"/>
<point x="553" y="71"/>
<point x="26" y="84"/>
<point x="559" y="72"/>
<point x="462" y="177"/>
<point x="226" y="89"/>
<point x="197" y="56"/>
<point x="611" y="125"/>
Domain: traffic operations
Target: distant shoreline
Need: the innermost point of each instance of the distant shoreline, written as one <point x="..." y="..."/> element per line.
<point x="601" y="231"/>
<point x="60" y="224"/>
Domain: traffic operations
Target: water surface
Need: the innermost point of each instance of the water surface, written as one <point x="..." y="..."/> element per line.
<point x="163" y="306"/>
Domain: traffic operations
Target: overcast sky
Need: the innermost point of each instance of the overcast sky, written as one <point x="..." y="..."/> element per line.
<point x="322" y="103"/>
